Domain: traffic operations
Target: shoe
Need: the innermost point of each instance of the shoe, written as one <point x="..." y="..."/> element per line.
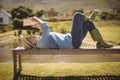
<point x="92" y="16"/>
<point x="95" y="34"/>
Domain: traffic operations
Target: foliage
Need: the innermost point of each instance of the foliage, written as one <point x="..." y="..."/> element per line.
<point x="28" y="32"/>
<point x="18" y="14"/>
<point x="18" y="23"/>
<point x="33" y="32"/>
<point x="56" y="18"/>
<point x="21" y="12"/>
<point x="111" y="15"/>
<point x="19" y="32"/>
<point x="62" y="26"/>
<point x="40" y="13"/>
<point x="8" y="28"/>
<point x="63" y="31"/>
<point x="52" y="12"/>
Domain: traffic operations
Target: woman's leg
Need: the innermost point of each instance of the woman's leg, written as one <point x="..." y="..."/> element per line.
<point x="77" y="30"/>
<point x="80" y="29"/>
<point x="95" y="34"/>
<point x="88" y="26"/>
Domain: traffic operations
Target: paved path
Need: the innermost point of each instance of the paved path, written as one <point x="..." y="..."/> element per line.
<point x="6" y="38"/>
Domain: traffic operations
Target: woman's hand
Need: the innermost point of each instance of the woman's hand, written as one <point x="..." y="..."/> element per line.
<point x="34" y="22"/>
<point x="35" y="19"/>
<point x="36" y="26"/>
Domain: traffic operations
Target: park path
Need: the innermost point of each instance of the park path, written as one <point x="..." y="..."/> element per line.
<point x="6" y="38"/>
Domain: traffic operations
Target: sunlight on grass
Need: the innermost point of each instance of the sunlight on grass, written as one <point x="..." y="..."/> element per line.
<point x="110" y="31"/>
<point x="74" y="69"/>
<point x="58" y="26"/>
<point x="6" y="71"/>
<point x="62" y="69"/>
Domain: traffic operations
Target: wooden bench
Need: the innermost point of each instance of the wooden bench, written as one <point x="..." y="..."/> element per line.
<point x="18" y="52"/>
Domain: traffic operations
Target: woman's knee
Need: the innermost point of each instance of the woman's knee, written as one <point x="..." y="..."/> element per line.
<point x="78" y="14"/>
<point x="90" y="25"/>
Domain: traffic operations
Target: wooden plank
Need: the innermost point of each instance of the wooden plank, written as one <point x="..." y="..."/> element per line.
<point x="67" y="51"/>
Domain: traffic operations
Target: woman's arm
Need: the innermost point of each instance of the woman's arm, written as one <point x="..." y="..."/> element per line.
<point x="38" y="20"/>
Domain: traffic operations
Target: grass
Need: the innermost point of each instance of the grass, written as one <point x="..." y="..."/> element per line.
<point x="110" y="30"/>
<point x="62" y="69"/>
<point x="73" y="69"/>
<point x="6" y="72"/>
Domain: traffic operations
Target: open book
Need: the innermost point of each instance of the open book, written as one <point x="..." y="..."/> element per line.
<point x="29" y="22"/>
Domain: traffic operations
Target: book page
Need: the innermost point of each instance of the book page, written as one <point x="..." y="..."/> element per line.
<point x="29" y="22"/>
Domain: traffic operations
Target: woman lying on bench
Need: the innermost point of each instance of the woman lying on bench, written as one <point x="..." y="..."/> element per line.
<point x="53" y="40"/>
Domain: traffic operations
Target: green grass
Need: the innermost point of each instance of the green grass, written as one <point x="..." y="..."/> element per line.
<point x="73" y="69"/>
<point x="110" y="31"/>
<point x="6" y="71"/>
<point x="62" y="69"/>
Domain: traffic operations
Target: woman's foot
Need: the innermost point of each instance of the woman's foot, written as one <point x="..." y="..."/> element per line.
<point x="97" y="37"/>
<point x="103" y="45"/>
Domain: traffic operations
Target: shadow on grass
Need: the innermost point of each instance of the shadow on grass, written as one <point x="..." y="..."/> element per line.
<point x="30" y="77"/>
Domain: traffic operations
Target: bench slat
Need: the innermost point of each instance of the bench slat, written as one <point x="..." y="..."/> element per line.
<point x="66" y="51"/>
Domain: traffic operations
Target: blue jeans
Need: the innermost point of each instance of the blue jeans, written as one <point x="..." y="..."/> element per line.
<point x="80" y="29"/>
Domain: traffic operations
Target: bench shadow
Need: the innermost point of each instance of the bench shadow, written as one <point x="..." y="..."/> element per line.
<point x="105" y="77"/>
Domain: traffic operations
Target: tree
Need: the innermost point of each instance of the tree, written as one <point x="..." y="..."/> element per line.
<point x="40" y="13"/>
<point x="52" y="12"/>
<point x="18" y="24"/>
<point x="111" y="15"/>
<point x="103" y="15"/>
<point x="21" y="12"/>
<point x="18" y="14"/>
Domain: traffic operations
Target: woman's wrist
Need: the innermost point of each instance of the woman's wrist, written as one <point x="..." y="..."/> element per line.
<point x="38" y="20"/>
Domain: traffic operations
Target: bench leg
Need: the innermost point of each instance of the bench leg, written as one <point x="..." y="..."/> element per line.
<point x="20" y="66"/>
<point x="15" y="66"/>
<point x="17" y="71"/>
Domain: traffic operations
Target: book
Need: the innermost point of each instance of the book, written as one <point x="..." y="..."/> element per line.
<point x="92" y="16"/>
<point x="29" y="22"/>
